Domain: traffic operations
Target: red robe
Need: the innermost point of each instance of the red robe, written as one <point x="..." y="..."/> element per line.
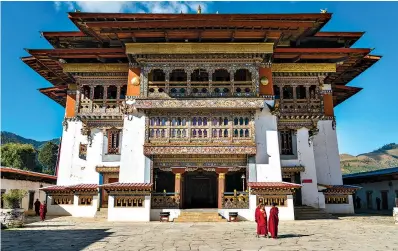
<point x="262" y="223"/>
<point x="43" y="211"/>
<point x="256" y="214"/>
<point x="273" y="222"/>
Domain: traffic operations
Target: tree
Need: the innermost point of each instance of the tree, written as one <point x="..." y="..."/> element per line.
<point x="22" y="156"/>
<point x="48" y="157"/>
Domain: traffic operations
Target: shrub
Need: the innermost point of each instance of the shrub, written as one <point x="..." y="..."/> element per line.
<point x="13" y="198"/>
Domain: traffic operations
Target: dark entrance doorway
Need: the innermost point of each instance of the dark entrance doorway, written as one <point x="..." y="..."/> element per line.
<point x="200" y="190"/>
<point x="384" y="200"/>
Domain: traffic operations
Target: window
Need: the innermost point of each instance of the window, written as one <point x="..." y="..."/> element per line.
<point x="62" y="200"/>
<point x="85" y="200"/>
<point x="113" y="141"/>
<point x="31" y="199"/>
<point x="82" y="151"/>
<point x="129" y="201"/>
<point x="300" y="92"/>
<point x="286" y="142"/>
<point x="287" y="92"/>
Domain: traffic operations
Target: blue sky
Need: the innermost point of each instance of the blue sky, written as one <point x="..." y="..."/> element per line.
<point x="365" y="122"/>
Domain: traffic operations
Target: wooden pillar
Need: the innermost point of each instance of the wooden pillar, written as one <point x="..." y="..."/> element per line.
<point x="221" y="187"/>
<point x="328" y="104"/>
<point x="71" y="101"/>
<point x="178" y="182"/>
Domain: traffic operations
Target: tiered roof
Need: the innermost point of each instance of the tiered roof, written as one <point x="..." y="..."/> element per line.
<point x="297" y="39"/>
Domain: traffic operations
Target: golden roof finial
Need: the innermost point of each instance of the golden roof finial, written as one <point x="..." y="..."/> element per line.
<point x="324" y="10"/>
<point x="199" y="10"/>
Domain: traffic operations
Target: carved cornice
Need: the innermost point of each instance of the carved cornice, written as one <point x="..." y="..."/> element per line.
<point x="198" y="48"/>
<point x="88" y="67"/>
<point x="107" y="169"/>
<point x="237" y="103"/>
<point x="304" y="67"/>
<point x="103" y="82"/>
<point x="151" y="150"/>
<point x="106" y="124"/>
<point x="299" y="80"/>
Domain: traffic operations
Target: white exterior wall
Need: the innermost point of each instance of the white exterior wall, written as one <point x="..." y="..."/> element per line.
<point x="129" y="214"/>
<point x="376" y="188"/>
<point x="59" y="210"/>
<point x="268" y="166"/>
<point x="341" y="208"/>
<point x="326" y="152"/>
<point x="174" y="213"/>
<point x="85" y="211"/>
<point x="74" y="209"/>
<point x="8" y="184"/>
<point x="305" y="157"/>
<point x="134" y="165"/>
<point x="72" y="170"/>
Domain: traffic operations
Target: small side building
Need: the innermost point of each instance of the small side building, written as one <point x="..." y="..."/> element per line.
<point x="12" y="178"/>
<point x="382" y="184"/>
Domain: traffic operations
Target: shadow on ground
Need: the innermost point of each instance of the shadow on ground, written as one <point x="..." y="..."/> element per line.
<point x="51" y="239"/>
<point x="283" y="236"/>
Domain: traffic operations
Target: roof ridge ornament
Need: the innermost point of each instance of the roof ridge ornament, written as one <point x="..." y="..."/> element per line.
<point x="324" y="10"/>
<point x="199" y="10"/>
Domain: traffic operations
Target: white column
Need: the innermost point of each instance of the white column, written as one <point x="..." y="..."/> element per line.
<point x="305" y="154"/>
<point x="133" y="162"/>
<point x="69" y="152"/>
<point x="267" y="158"/>
<point x="327" y="158"/>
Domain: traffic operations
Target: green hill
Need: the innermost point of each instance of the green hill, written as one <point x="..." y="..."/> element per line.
<point x="9" y="137"/>
<point x="384" y="157"/>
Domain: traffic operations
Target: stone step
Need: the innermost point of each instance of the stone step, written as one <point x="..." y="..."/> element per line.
<point x="199" y="216"/>
<point x="102" y="214"/>
<point x="199" y="220"/>
<point x="310" y="213"/>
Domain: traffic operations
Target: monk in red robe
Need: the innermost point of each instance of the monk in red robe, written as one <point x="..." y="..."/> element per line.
<point x="43" y="211"/>
<point x="257" y="211"/>
<point x="262" y="222"/>
<point x="273" y="221"/>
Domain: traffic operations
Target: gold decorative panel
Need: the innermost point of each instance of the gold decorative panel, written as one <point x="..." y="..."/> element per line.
<point x="87" y="67"/>
<point x="198" y="48"/>
<point x="304" y="67"/>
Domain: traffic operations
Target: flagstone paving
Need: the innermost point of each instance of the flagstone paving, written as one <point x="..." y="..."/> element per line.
<point x="67" y="233"/>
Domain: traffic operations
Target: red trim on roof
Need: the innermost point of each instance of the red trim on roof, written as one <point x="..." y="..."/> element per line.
<point x="273" y="185"/>
<point x="83" y="187"/>
<point x="54" y="188"/>
<point x="119" y="185"/>
<point x="339" y="34"/>
<point x="27" y="173"/>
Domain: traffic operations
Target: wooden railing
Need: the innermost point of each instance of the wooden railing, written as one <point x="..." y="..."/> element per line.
<point x="165" y="200"/>
<point x="235" y="200"/>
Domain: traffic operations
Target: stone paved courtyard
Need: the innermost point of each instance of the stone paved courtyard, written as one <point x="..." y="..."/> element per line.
<point x="66" y="233"/>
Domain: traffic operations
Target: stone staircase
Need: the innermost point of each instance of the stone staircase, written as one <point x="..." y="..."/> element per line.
<point x="199" y="216"/>
<point x="102" y="214"/>
<point x="310" y="213"/>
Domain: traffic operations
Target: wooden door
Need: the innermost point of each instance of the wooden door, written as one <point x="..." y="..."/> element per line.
<point x="105" y="194"/>
<point x="384" y="200"/>
<point x="369" y="199"/>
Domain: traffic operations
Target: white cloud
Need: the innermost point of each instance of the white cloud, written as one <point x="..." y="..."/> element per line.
<point x="134" y="7"/>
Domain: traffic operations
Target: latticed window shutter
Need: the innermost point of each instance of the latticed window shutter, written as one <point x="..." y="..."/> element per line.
<point x="113" y="141"/>
<point x="286" y="142"/>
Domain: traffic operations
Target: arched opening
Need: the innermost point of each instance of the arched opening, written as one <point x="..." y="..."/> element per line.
<point x="199" y="75"/>
<point x="111" y="92"/>
<point x="157" y="75"/>
<point x="85" y="92"/>
<point x="99" y="92"/>
<point x="288" y="92"/>
<point x="178" y="75"/>
<point x="221" y="75"/>
<point x="243" y="75"/>
<point x="301" y="92"/>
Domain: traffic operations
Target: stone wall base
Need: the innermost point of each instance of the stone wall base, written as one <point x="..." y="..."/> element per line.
<point x="12" y="218"/>
<point x="395" y="214"/>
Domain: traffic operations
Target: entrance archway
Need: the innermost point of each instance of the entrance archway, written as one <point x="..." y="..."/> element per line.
<point x="200" y="190"/>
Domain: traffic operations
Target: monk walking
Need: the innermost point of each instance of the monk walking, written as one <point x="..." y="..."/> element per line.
<point x="262" y="222"/>
<point x="37" y="207"/>
<point x="273" y="221"/>
<point x="43" y="211"/>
